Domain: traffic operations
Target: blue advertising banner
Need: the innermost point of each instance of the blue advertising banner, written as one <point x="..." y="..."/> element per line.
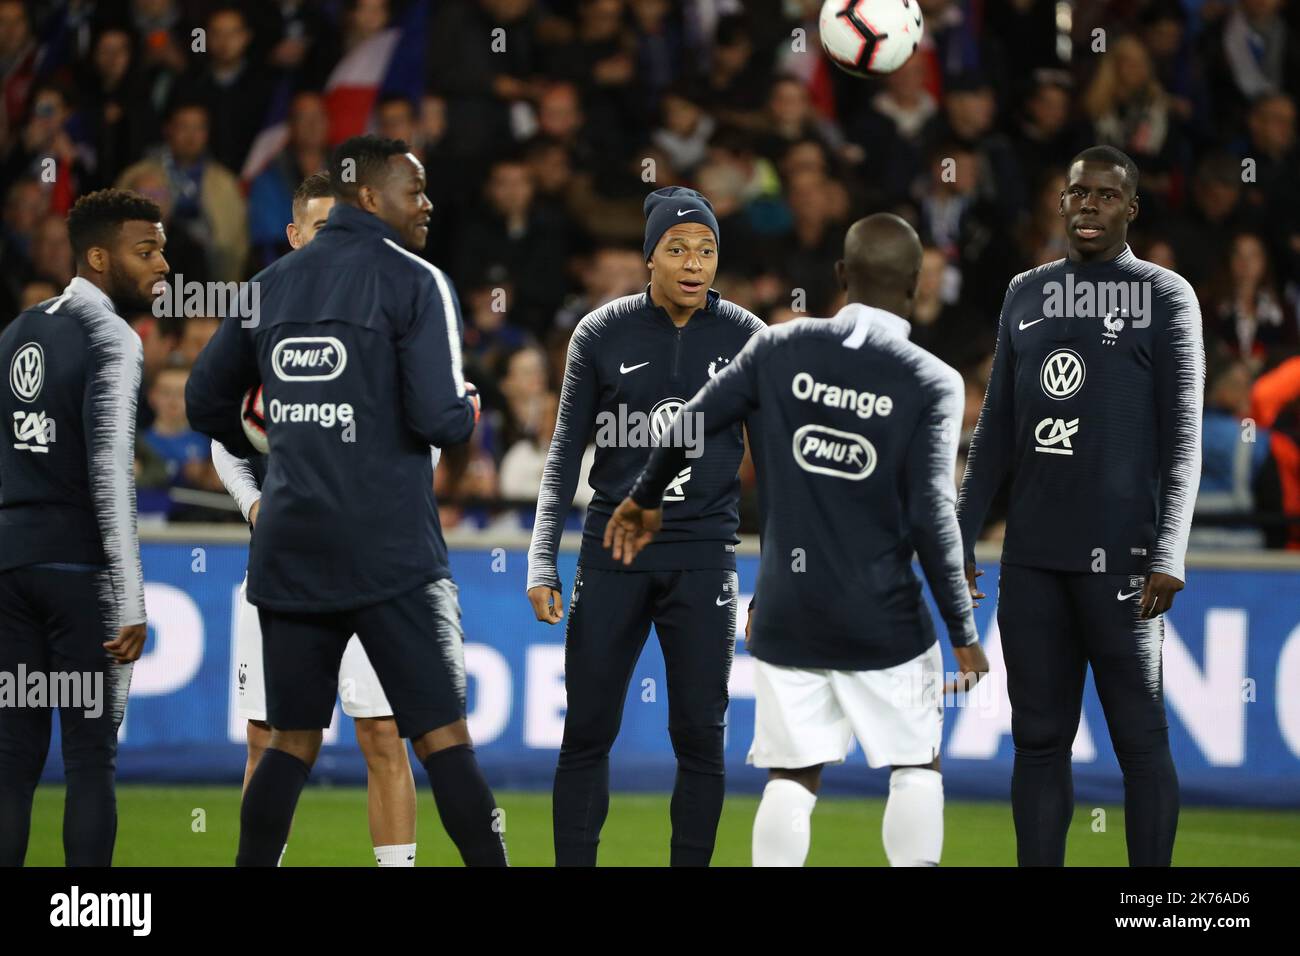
<point x="1231" y="662"/>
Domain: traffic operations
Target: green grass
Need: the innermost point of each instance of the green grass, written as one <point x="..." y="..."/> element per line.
<point x="157" y="827"/>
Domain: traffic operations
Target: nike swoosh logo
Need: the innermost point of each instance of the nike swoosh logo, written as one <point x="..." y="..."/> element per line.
<point x="683" y="212"/>
<point x="719" y="602"/>
<point x="1121" y="596"/>
<point x="1024" y="325"/>
<point x="632" y="368"/>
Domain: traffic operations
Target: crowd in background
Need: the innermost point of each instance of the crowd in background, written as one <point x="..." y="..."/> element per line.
<point x="540" y="142"/>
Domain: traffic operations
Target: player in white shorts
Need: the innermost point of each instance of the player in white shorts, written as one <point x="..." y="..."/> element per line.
<point x="858" y="434"/>
<point x="390" y="786"/>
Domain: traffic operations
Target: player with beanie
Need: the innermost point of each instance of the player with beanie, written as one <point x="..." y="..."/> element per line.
<point x="632" y="366"/>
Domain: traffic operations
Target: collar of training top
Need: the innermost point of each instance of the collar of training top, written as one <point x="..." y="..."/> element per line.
<point x="710" y="303"/>
<point x="865" y="315"/>
<point x="88" y="290"/>
<point x="345" y="216"/>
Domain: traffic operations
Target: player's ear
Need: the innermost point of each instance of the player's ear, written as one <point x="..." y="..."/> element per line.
<point x="841" y="276"/>
<point x="293" y="235"/>
<point x="97" y="258"/>
<point x="1133" y="208"/>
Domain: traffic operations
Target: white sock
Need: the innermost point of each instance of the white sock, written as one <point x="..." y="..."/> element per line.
<point x="398" y="854"/>
<point x="783" y="824"/>
<point x="913" y="825"/>
<point x="280" y="862"/>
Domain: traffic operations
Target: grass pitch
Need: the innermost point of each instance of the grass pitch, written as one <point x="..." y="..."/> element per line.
<point x="199" y="826"/>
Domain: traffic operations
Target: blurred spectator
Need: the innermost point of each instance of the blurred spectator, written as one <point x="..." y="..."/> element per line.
<point x="117" y="106"/>
<point x="1251" y="51"/>
<point x="940" y="324"/>
<point x="234" y="88"/>
<point x="206" y="199"/>
<point x="362" y="20"/>
<point x="25" y="204"/>
<point x="1130" y="110"/>
<point x="969" y="117"/>
<point x="195" y="334"/>
<point x="159" y="339"/>
<point x="1271" y="143"/>
<point x="50" y="150"/>
<point x="51" y="252"/>
<point x="1233" y="457"/>
<point x="734" y="83"/>
<point x="1048" y="136"/>
<point x="185" y="451"/>
<point x="522" y="383"/>
<point x="18" y="54"/>
<point x="37" y="291"/>
<point x="511" y="239"/>
<point x="1246" y="304"/>
<point x="305" y="42"/>
<point x="1201" y="232"/>
<point x="520" y="475"/>
<point x="270" y="196"/>
<point x="165" y="36"/>
<point x="609" y="273"/>
<point x="489" y="335"/>
<point x="685" y="131"/>
<point x="1041" y="236"/>
<point x="816" y="238"/>
<point x="790" y="117"/>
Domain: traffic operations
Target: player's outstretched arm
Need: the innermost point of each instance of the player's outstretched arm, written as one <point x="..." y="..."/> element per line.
<point x="577" y="416"/>
<point x="931" y="506"/>
<point x="109" y="413"/>
<point x="1179" y="368"/>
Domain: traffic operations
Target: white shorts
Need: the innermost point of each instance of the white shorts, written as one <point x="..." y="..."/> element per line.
<point x="359" y="687"/>
<point x="808" y="717"/>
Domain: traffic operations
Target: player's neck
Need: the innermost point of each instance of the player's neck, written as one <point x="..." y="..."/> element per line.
<point x="679" y="315"/>
<point x="1081" y="258"/>
<point x="877" y="300"/>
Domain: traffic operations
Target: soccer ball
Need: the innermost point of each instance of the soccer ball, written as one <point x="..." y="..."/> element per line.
<point x="253" y="419"/>
<point x="870" y="37"/>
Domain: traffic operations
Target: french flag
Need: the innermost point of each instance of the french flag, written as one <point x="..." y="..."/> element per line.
<point x="391" y="61"/>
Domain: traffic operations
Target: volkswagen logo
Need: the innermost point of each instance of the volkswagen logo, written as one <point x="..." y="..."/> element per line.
<point x="1062" y="374"/>
<point x="27" y="371"/>
<point x="662" y="415"/>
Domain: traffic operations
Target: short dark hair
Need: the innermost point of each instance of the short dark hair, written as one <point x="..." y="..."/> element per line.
<point x="370" y="155"/>
<point x="1111" y="157"/>
<point x="315" y="186"/>
<point x="97" y="217"/>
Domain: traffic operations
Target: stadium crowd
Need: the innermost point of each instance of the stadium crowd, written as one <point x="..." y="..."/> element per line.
<point x="541" y="140"/>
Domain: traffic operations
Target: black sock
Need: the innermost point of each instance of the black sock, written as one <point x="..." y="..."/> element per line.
<point x="695" y="810"/>
<point x="267" y="811"/>
<point x="466" y="806"/>
<point x="1042" y="803"/>
<point x="89" y="817"/>
<point x="579" y="805"/>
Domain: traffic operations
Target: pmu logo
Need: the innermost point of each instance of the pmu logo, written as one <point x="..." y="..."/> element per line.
<point x="829" y="451"/>
<point x="27" y="371"/>
<point x="1053" y="436"/>
<point x="1062" y="374"/>
<point x="309" y="359"/>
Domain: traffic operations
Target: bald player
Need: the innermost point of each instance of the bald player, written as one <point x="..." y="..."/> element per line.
<point x="856" y="450"/>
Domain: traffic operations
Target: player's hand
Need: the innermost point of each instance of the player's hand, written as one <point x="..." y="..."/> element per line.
<point x="749" y="623"/>
<point x="630" y="529"/>
<point x="548" y="603"/>
<point x="972" y="665"/>
<point x="128" y="644"/>
<point x="1158" y="595"/>
<point x="471" y="392"/>
<point x="972" y="573"/>
<point x="252" y="512"/>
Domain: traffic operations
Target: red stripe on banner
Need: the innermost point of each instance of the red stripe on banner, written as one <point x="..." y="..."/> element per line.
<point x="349" y="110"/>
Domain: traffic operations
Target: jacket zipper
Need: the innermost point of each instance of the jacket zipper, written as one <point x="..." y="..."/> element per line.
<point x="677" y="354"/>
